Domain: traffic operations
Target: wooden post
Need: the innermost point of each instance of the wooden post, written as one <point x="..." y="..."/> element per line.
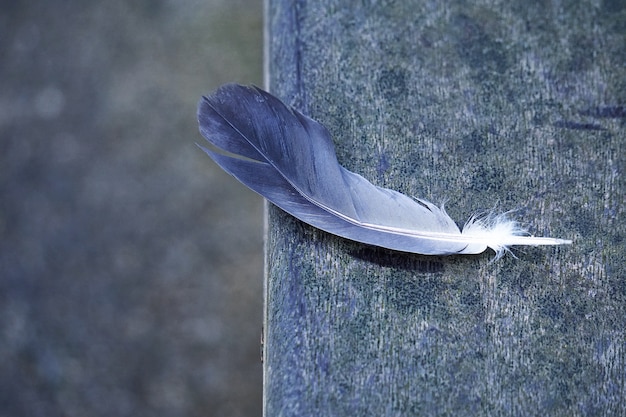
<point x="507" y="104"/>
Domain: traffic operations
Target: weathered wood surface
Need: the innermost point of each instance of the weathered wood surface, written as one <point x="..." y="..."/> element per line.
<point x="510" y="103"/>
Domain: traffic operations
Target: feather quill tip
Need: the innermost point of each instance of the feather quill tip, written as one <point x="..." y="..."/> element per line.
<point x="499" y="233"/>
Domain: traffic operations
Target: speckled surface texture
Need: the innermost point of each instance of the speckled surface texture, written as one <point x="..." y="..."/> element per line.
<point x="518" y="105"/>
<point x="131" y="266"/>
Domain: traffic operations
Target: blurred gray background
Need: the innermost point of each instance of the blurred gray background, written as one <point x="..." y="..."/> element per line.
<point x="130" y="265"/>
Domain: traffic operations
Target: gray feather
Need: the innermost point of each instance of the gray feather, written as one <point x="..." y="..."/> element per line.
<point x="290" y="160"/>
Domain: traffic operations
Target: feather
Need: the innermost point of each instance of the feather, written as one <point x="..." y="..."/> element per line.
<point x="290" y="160"/>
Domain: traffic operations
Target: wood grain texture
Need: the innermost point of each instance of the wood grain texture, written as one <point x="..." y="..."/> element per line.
<point x="513" y="104"/>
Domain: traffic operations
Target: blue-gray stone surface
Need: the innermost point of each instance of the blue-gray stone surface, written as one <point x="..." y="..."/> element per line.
<point x="513" y="104"/>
